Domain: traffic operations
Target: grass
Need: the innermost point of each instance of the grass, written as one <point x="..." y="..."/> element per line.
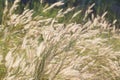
<point x="35" y="47"/>
<point x="37" y="7"/>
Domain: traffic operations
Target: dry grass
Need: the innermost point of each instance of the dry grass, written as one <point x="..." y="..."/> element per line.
<point x="36" y="48"/>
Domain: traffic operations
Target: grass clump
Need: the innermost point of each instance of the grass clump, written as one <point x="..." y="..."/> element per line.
<point x="40" y="48"/>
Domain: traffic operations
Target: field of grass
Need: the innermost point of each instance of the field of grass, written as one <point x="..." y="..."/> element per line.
<point x="39" y="47"/>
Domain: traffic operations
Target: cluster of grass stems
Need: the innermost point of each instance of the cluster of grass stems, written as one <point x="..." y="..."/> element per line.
<point x="40" y="48"/>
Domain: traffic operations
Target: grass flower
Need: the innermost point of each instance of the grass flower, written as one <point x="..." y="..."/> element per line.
<point x="40" y="48"/>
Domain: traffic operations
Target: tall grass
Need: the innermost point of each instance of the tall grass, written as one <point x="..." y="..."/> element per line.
<point x="40" y="48"/>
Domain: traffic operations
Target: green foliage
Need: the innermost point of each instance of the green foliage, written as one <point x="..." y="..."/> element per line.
<point x="1" y="9"/>
<point x="2" y="71"/>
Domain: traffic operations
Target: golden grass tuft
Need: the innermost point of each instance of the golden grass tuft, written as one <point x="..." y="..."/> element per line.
<point x="36" y="48"/>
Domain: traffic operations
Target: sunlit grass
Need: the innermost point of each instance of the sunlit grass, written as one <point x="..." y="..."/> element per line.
<point x="42" y="48"/>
